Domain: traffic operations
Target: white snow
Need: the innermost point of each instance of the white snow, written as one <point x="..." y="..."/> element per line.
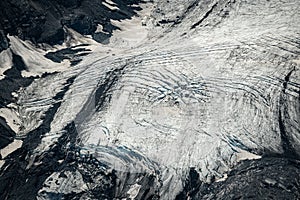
<point x="2" y="162"/>
<point x="132" y="33"/>
<point x="134" y="191"/>
<point x="5" y="62"/>
<point x="57" y="184"/>
<point x="245" y="155"/>
<point x="16" y="144"/>
<point x="11" y="116"/>
<point x="34" y="58"/>
<point x="111" y="7"/>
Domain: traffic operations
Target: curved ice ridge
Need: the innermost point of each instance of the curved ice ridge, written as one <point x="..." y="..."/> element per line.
<point x="216" y="83"/>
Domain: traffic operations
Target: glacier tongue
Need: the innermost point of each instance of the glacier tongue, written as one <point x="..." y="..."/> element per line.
<point x="188" y="100"/>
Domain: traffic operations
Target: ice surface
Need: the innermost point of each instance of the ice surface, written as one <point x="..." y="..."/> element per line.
<point x="183" y="88"/>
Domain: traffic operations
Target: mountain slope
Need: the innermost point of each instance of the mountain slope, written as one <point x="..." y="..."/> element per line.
<point x="187" y="100"/>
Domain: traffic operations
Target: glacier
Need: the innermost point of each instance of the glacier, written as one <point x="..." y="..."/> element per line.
<point x="180" y="100"/>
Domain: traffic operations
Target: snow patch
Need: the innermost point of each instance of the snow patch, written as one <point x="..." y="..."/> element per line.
<point x="245" y="155"/>
<point x="34" y="58"/>
<point x="110" y="6"/>
<point x="12" y="118"/>
<point x="5" y="62"/>
<point x="133" y="31"/>
<point x="134" y="191"/>
<point x="225" y="176"/>
<point x="16" y="144"/>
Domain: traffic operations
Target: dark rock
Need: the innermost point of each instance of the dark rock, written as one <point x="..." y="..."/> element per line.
<point x="102" y="37"/>
<point x="4" y="43"/>
<point x="13" y="81"/>
<point x="73" y="54"/>
<point x="7" y="135"/>
<point x="267" y="178"/>
<point x="42" y="21"/>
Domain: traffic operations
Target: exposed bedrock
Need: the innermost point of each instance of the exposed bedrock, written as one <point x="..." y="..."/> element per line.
<point x="42" y="21"/>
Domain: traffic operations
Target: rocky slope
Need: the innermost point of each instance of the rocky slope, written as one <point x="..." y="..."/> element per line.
<point x="185" y="100"/>
<point x="42" y="21"/>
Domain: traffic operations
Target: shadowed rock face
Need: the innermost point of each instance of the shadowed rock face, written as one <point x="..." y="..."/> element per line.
<point x="268" y="178"/>
<point x="205" y="106"/>
<point x="4" y="43"/>
<point x="42" y="21"/>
